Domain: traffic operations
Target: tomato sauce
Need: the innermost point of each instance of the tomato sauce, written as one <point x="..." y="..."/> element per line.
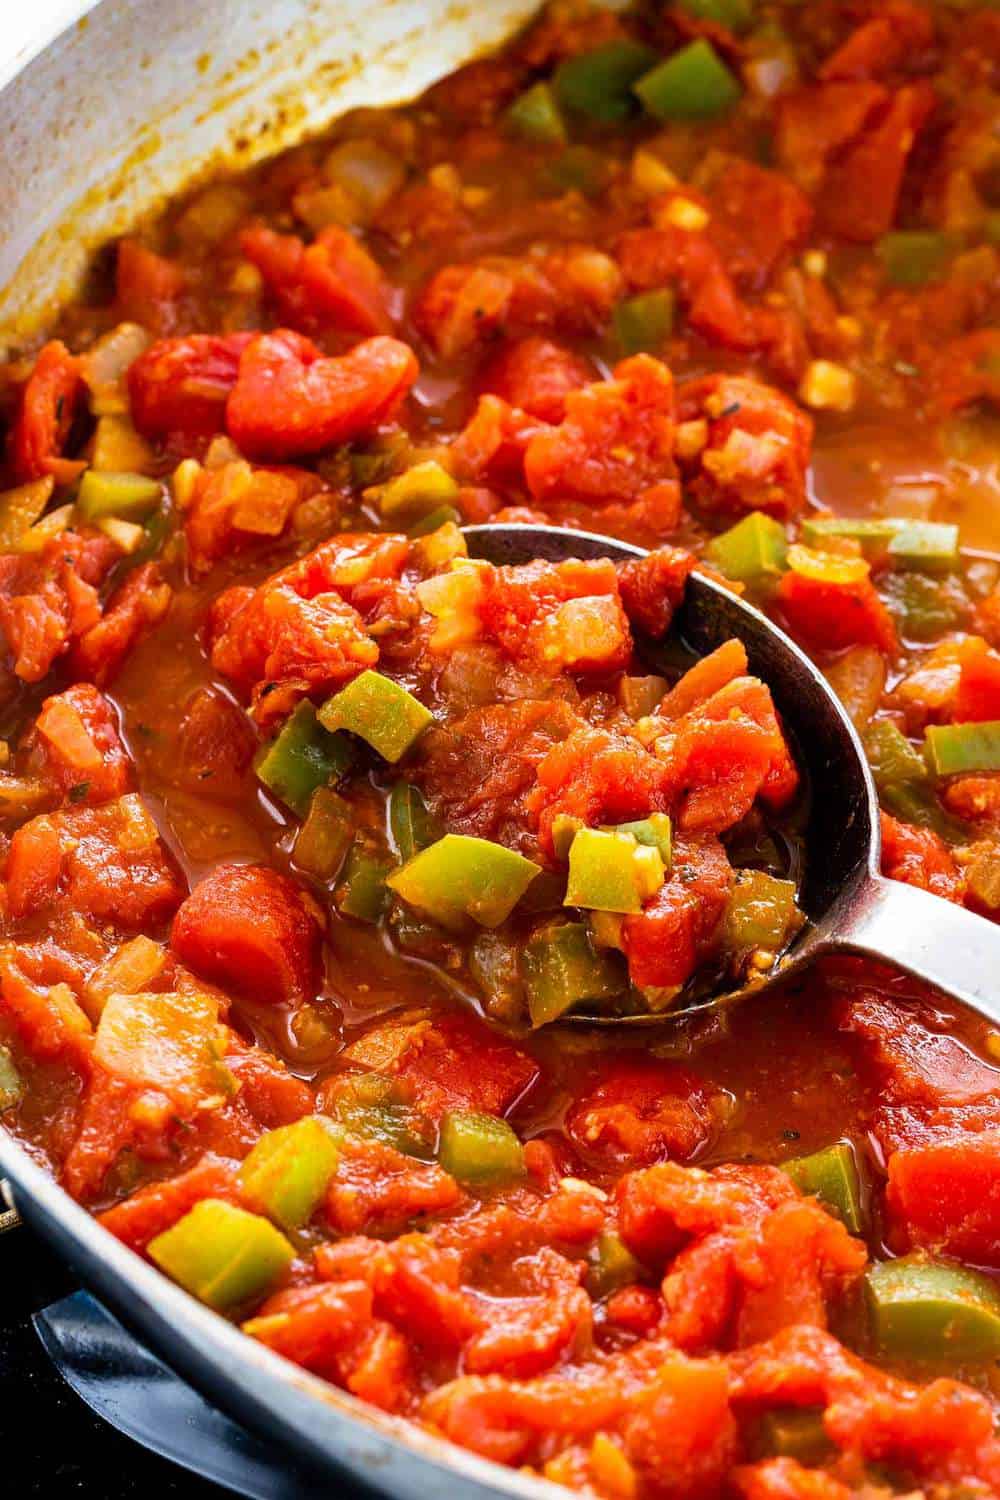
<point x="313" y="830"/>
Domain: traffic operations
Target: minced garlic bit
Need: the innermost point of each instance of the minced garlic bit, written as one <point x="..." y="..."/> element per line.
<point x="828" y="387"/>
<point x="814" y="262"/>
<point x="445" y="178"/>
<point x="690" y="438"/>
<point x="684" y="213"/>
<point x="650" y="176"/>
<point x="993" y="1045"/>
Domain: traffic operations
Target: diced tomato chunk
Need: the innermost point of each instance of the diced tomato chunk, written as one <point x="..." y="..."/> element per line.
<point x="861" y="188"/>
<point x="182" y="385"/>
<point x="920" y="857"/>
<point x="946" y="1197"/>
<point x="965" y="371"/>
<point x="815" y="123"/>
<point x="599" y="777"/>
<point x="615" y="441"/>
<point x="882" y="44"/>
<point x="758" y="217"/>
<point x="671" y="935"/>
<point x="378" y="1190"/>
<point x="289" y="400"/>
<point x="756" y="450"/>
<point x="832" y="616"/>
<point x="317" y="1327"/>
<point x="235" y="505"/>
<point x="147" y="286"/>
<point x="652" y="588"/>
<point x="133" y="610"/>
<point x="536" y="375"/>
<point x="150" y="1210"/>
<point x="564" y="616"/>
<point x="636" y="1111"/>
<point x="43" y="423"/>
<point x="76" y="747"/>
<point x="250" y="929"/>
<point x="332" y="283"/>
<point x="459" y="1062"/>
<point x="978" y="696"/>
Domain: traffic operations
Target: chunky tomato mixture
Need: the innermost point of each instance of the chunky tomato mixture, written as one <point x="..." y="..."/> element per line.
<point x="314" y="828"/>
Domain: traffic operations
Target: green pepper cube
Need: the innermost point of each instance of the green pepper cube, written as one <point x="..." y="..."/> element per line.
<point x="433" y="521"/>
<point x="362" y="892"/>
<point x="578" y="169"/>
<point x="223" y="1255"/>
<point x="918" y="802"/>
<point x="645" y="322"/>
<point x="832" y="1176"/>
<point x="325" y="836"/>
<point x="130" y="497"/>
<point x="561" y="968"/>
<point x="379" y="711"/>
<point x="693" y="84"/>
<point x="924" y="605"/>
<point x="535" y="116"/>
<point x="374" y="1107"/>
<point x="912" y="257"/>
<point x="611" y="871"/>
<point x="565" y="827"/>
<point x="873" y="534"/>
<point x="11" y="1084"/>
<point x="410" y="822"/>
<point x="612" y="1265"/>
<point x="423" y="488"/>
<point x="302" y="757"/>
<point x="924" y="1309"/>
<point x="641" y="696"/>
<point x="794" y="1432"/>
<point x="735" y="15"/>
<point x="461" y="877"/>
<point x="289" y="1170"/>
<point x="598" y="84"/>
<point x="655" y="832"/>
<point x="752" y="550"/>
<point x="761" y="912"/>
<point x="954" y="749"/>
<point x="930" y="545"/>
<point x="479" y="1149"/>
<point x="894" y="761"/>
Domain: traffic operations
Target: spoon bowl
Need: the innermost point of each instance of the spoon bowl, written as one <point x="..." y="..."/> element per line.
<point x="848" y="905"/>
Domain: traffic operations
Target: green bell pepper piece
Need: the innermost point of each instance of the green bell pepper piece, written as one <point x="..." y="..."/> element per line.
<point x="302" y="757"/>
<point x="561" y="969"/>
<point x="751" y="551"/>
<point x="460" y="877"/>
<point x="417" y="491"/>
<point x="930" y="545"/>
<point x="598" y="83"/>
<point x="325" y="836"/>
<point x="479" y="1149"/>
<point x="535" y="115"/>
<point x="611" y="1266"/>
<point x="912" y="257"/>
<point x="565" y="828"/>
<point x="693" y="84"/>
<point x="873" y="534"/>
<point x="11" y="1083"/>
<point x="761" y="912"/>
<point x="923" y="604"/>
<point x="924" y="1309"/>
<point x="655" y="832"/>
<point x="289" y="1170"/>
<point x="578" y="169"/>
<point x="794" y="1432"/>
<point x="130" y="497"/>
<point x="734" y="15"/>
<point x="953" y="749"/>
<point x="223" y="1255"/>
<point x="362" y="892"/>
<point x="640" y="696"/>
<point x="410" y="823"/>
<point x="894" y="761"/>
<point x="433" y="521"/>
<point x="832" y="1176"/>
<point x="379" y="711"/>
<point x="372" y="1106"/>
<point x="611" y="871"/>
<point x="644" y="323"/>
<point x="917" y="802"/>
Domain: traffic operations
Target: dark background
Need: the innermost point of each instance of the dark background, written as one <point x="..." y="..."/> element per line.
<point x="51" y="1441"/>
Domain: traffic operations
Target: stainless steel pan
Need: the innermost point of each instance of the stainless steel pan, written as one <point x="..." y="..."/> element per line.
<point x="98" y="121"/>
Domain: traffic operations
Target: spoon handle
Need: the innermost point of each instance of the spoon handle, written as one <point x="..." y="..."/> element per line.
<point x="950" y="947"/>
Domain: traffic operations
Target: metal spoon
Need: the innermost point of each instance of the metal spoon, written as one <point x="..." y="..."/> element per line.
<point x="850" y="907"/>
